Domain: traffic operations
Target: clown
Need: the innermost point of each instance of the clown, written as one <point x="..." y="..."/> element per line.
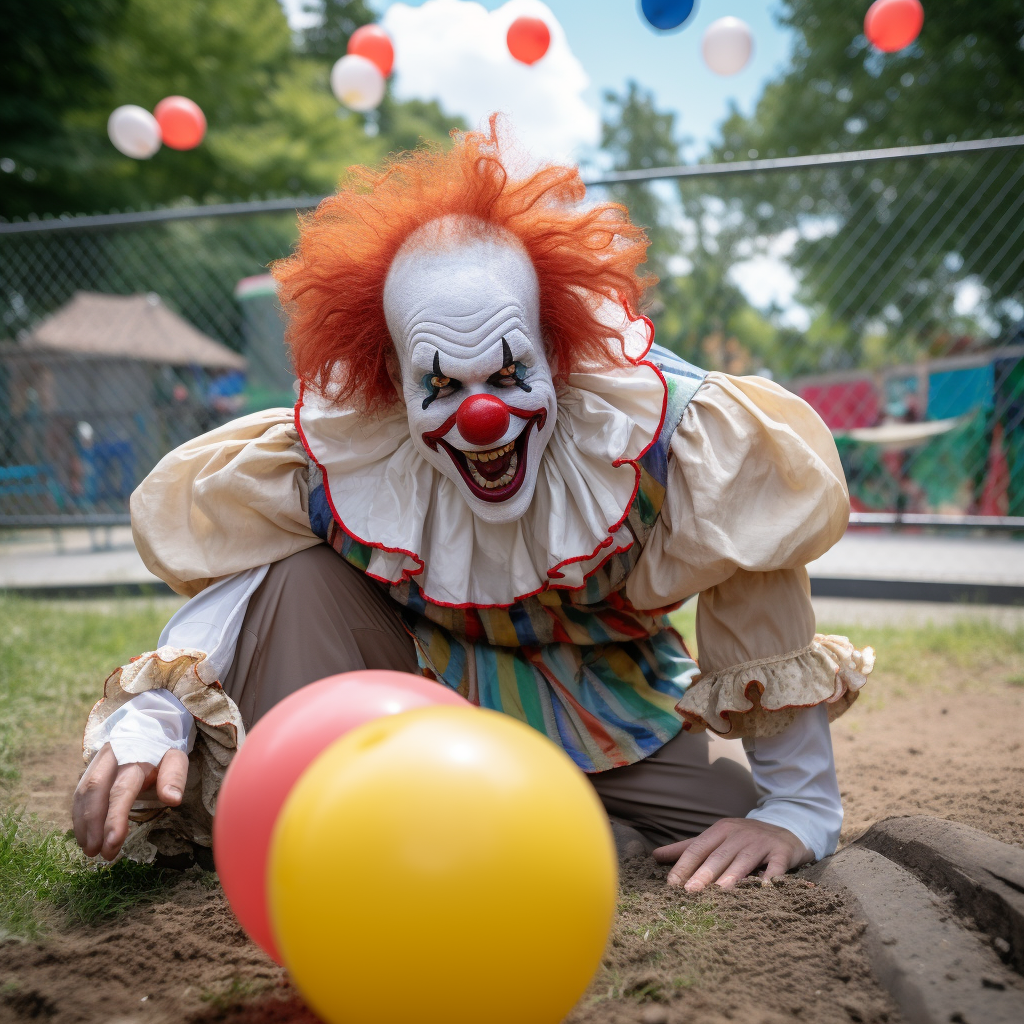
<point x="494" y="478"/>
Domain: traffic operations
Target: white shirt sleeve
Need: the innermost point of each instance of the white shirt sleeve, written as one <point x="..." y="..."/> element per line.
<point x="151" y="723"/>
<point x="795" y="775"/>
<point x="146" y="727"/>
<point x="212" y="620"/>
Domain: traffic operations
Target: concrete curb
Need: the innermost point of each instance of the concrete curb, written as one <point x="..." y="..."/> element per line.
<point x="985" y="876"/>
<point x="916" y="590"/>
<point x="937" y="971"/>
<point x="87" y="591"/>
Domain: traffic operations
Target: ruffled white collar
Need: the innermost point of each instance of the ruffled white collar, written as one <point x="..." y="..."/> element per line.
<point x="385" y="494"/>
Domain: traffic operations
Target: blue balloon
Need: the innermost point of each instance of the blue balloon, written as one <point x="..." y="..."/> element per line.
<point x="667" y="14"/>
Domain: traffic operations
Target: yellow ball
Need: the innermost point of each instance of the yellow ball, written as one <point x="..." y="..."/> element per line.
<point x="445" y="866"/>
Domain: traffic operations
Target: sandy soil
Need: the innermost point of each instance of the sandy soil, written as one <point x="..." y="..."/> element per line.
<point x="758" y="955"/>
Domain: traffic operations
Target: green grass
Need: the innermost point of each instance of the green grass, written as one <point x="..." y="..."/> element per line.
<point x="943" y="658"/>
<point x="45" y="877"/>
<point x="237" y="990"/>
<point x="694" y="919"/>
<point x="54" y="657"/>
<point x="964" y="655"/>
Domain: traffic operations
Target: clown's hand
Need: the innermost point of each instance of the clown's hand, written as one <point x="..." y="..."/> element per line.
<point x="107" y="790"/>
<point x="730" y="850"/>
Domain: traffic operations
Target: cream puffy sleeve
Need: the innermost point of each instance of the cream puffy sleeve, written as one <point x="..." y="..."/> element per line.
<point x="755" y="491"/>
<point x="229" y="500"/>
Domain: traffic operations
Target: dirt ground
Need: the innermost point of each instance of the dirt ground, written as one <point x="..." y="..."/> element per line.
<point x="757" y="955"/>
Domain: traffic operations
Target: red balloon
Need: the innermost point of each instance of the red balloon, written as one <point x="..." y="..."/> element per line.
<point x="281" y="746"/>
<point x="893" y="24"/>
<point x="373" y="43"/>
<point x="182" y="123"/>
<point x="528" y="39"/>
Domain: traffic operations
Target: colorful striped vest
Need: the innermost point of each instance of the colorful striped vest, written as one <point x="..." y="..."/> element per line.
<point x="596" y="675"/>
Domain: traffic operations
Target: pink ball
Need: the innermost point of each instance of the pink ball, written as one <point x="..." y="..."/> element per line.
<point x="281" y="746"/>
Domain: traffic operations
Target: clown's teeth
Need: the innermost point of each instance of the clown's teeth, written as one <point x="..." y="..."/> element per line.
<point x="506" y="478"/>
<point x="478" y="479"/>
<point x="503" y="481"/>
<point x="490" y="456"/>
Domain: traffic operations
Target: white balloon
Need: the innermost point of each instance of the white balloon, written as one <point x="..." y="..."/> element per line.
<point x="134" y="131"/>
<point x="357" y="83"/>
<point x="727" y="46"/>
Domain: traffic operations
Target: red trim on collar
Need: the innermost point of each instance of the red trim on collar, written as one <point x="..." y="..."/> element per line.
<point x="408" y="575"/>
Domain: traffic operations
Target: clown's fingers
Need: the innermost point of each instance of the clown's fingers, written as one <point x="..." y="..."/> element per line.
<point x="701" y="865"/>
<point x="89" y="804"/>
<point x="671" y="853"/>
<point x="744" y="864"/>
<point x="714" y="865"/>
<point x="778" y="864"/>
<point x="130" y="781"/>
<point x="170" y="780"/>
<point x="701" y="849"/>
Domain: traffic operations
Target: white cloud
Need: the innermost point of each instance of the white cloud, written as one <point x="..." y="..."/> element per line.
<point x="455" y="52"/>
<point x="766" y="279"/>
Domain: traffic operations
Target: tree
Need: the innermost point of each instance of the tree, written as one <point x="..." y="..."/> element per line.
<point x="884" y="250"/>
<point x="698" y="309"/>
<point x="334" y="22"/>
<point x="636" y="135"/>
<point x="274" y="127"/>
<point x="49" y="67"/>
<point x="963" y="78"/>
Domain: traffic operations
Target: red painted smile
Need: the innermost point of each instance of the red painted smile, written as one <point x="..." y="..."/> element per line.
<point x="495" y="474"/>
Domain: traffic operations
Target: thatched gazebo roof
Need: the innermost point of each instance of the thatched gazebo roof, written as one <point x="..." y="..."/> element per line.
<point x="138" y="327"/>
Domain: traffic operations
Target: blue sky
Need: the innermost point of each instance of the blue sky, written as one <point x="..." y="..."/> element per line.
<point x="614" y="44"/>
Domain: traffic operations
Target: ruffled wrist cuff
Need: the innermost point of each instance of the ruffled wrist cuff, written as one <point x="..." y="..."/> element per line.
<point x="761" y="698"/>
<point x="186" y="673"/>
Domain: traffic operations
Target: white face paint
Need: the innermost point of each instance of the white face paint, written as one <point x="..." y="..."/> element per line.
<point x="464" y="315"/>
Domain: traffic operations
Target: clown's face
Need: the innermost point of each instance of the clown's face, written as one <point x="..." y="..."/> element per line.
<point x="463" y="313"/>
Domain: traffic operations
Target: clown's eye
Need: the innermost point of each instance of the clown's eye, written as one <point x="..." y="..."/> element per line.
<point x="511" y="374"/>
<point x="438" y="384"/>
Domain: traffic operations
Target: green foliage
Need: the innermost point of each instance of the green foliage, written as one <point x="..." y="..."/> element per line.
<point x="335" y="21"/>
<point x="963" y="78"/>
<point x="889" y="244"/>
<point x="49" y="67"/>
<point x="54" y="657"/>
<point x="274" y="127"/>
<point x="945" y="658"/>
<point x="193" y="265"/>
<point x="697" y="308"/>
<point x="637" y="135"/>
<point x="880" y="251"/>
<point x="917" y="654"/>
<point x="237" y="991"/>
<point x="42" y="872"/>
<point x="694" y="919"/>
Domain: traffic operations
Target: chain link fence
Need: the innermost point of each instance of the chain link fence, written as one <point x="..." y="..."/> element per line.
<point x="127" y="335"/>
<point x="886" y="288"/>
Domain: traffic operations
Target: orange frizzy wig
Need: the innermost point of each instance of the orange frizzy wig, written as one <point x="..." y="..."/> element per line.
<point x="333" y="285"/>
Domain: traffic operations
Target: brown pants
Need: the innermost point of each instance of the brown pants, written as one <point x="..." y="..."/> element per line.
<point x="315" y="615"/>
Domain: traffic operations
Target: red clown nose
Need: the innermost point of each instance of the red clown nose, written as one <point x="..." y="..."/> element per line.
<point x="482" y="419"/>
